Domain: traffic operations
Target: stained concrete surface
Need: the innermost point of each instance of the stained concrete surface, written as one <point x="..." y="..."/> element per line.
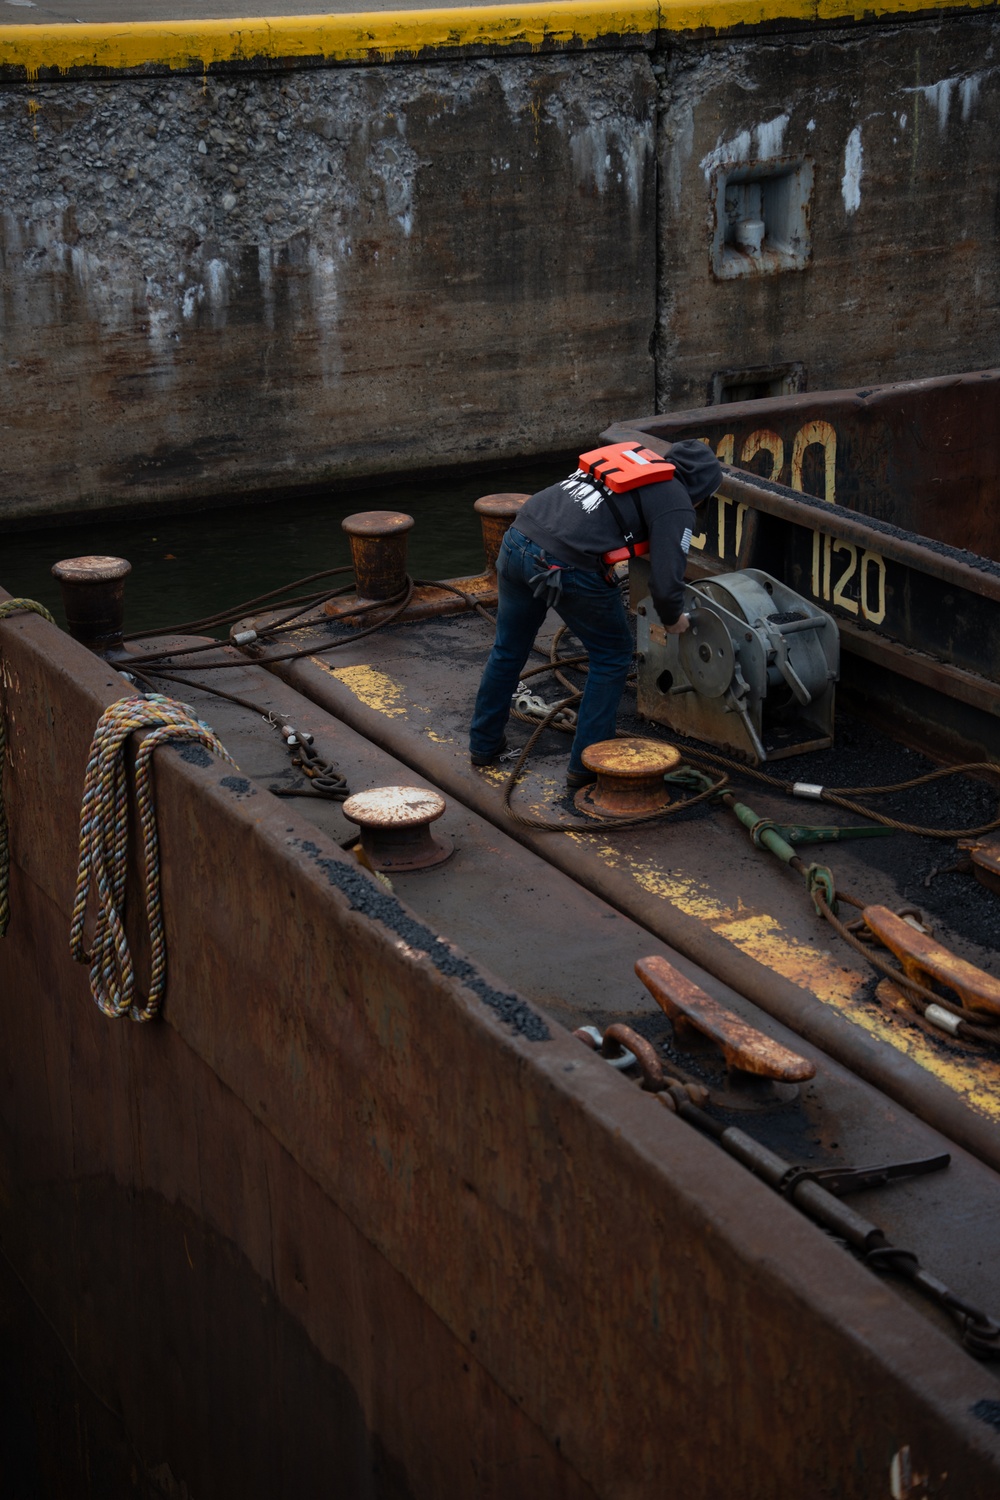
<point x="214" y="286"/>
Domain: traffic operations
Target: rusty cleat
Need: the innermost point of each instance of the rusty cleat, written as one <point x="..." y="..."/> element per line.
<point x="925" y="960"/>
<point x="395" y="827"/>
<point x="630" y="776"/>
<point x="984" y="855"/>
<point x="744" y="1048"/>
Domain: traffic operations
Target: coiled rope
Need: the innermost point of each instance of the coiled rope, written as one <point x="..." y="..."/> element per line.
<point x="10" y="607"/>
<point x="104" y="848"/>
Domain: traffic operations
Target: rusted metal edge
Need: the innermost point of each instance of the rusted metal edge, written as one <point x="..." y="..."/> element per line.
<point x="875" y="1062"/>
<point x="939" y="560"/>
<point x="859" y="398"/>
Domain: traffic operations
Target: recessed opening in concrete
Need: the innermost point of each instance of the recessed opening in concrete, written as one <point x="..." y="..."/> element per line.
<point x="762" y="216"/>
<point x="758" y="383"/>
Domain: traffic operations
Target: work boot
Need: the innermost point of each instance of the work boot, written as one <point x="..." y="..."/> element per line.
<point x="576" y="779"/>
<point x="490" y="756"/>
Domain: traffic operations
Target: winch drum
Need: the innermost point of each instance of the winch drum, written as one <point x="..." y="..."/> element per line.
<point x="754" y="674"/>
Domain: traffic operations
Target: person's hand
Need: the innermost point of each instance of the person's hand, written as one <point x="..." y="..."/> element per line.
<point x="678" y="627"/>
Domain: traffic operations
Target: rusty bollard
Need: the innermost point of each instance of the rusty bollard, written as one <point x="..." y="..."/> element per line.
<point x="93" y="596"/>
<point x="496" y="512"/>
<point x="395" y="824"/>
<point x="378" y="551"/>
<point x="630" y="776"/>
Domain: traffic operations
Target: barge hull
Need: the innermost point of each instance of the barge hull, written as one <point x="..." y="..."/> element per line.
<point x="598" y="1264"/>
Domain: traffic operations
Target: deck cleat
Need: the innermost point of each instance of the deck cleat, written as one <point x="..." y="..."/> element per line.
<point x="930" y="963"/>
<point x="395" y="827"/>
<point x="629" y="775"/>
<point x="984" y="859"/>
<point x="759" y="1070"/>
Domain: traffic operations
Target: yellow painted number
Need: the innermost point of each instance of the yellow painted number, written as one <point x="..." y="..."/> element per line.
<point x="836" y="564"/>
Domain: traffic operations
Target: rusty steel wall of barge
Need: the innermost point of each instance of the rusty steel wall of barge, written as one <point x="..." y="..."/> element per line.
<point x="274" y="272"/>
<point x="349" y="1164"/>
<point x="921" y="455"/>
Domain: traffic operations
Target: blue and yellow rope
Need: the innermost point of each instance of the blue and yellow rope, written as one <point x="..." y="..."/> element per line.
<point x="104" y="848"/>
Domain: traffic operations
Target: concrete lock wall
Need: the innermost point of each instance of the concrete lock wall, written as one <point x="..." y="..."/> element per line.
<point x="216" y="283"/>
<point x="892" y="129"/>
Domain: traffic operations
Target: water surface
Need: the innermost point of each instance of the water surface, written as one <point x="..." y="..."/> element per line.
<point x="192" y="564"/>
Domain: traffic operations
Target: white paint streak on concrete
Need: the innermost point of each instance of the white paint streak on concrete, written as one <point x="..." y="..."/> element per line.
<point x="737" y="149"/>
<point x="265" y="278"/>
<point x="761" y="142"/>
<point x="394" y="163"/>
<point x="939" y="95"/>
<point x="969" y="92"/>
<point x="594" y="148"/>
<point x="325" y="301"/>
<point x="193" y="297"/>
<point x="771" y="137"/>
<point x="215" y="284"/>
<point x="850" y="185"/>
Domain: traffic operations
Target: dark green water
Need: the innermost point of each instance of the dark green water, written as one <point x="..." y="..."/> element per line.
<point x="188" y="565"/>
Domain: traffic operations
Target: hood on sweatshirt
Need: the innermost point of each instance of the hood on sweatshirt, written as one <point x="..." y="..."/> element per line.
<point x="697" y="467"/>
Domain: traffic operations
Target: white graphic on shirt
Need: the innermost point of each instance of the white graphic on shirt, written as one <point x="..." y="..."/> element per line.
<point x="583" y="493"/>
<point x="686" y="539"/>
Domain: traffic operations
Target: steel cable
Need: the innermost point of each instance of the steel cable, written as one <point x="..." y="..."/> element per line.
<point x="397" y="604"/>
<point x="842" y="797"/>
<point x="104" y="847"/>
<point x="239" y="610"/>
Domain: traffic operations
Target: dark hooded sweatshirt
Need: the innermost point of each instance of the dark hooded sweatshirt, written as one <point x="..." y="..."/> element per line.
<point x="573" y="524"/>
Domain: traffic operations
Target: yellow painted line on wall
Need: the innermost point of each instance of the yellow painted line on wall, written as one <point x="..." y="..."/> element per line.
<point x="383" y="35"/>
<point x="972" y="1077"/>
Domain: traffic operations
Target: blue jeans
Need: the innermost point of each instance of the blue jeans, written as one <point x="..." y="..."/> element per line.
<point x="594" y="612"/>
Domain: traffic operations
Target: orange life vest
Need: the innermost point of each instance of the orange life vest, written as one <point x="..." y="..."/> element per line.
<point x="622" y="467"/>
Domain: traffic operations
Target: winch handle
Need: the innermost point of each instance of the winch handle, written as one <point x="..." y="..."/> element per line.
<point x="742" y="1045"/>
<point x="781" y="660"/>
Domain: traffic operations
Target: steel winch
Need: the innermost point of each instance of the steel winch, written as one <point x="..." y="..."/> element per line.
<point x="753" y="674"/>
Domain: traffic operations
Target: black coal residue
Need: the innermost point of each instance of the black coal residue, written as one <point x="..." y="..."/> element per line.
<point x="238" y="784"/>
<point x="374" y="902"/>
<point x="195" y="755"/>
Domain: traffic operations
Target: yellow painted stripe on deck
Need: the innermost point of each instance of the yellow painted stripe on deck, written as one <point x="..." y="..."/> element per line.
<point x="372" y="688"/>
<point x="377" y="35"/>
<point x="973" y="1078"/>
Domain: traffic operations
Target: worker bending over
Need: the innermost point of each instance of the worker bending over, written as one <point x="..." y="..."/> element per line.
<point x="621" y="502"/>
